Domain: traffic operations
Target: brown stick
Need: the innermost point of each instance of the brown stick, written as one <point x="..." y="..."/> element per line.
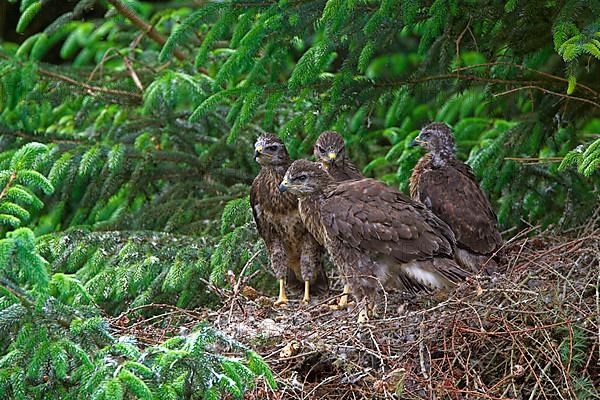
<point x="522" y="67"/>
<point x="12" y="177"/>
<point x="87" y="87"/>
<point x="143" y="25"/>
<point x="548" y="92"/>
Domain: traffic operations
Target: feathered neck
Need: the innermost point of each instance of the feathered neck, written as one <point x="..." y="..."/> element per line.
<point x="278" y="169"/>
<point x="442" y="156"/>
<point x="344" y="167"/>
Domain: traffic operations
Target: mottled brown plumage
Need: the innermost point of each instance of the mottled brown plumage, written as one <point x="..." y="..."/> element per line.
<point x="278" y="220"/>
<point x="448" y="187"/>
<point x="376" y="236"/>
<point x="329" y="150"/>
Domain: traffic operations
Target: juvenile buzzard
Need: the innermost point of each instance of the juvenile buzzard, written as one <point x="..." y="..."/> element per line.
<point x="330" y="152"/>
<point x="448" y="187"/>
<point x="375" y="235"/>
<point x="278" y="221"/>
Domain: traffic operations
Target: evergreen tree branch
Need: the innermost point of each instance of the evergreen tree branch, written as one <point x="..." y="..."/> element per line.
<point x="143" y="25"/>
<point x="522" y="67"/>
<point x="19" y="293"/>
<point x="89" y="88"/>
<point x="565" y="96"/>
<point x="12" y="177"/>
<point x="39" y="137"/>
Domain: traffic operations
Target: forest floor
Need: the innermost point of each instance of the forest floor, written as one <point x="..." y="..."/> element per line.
<point x="530" y="332"/>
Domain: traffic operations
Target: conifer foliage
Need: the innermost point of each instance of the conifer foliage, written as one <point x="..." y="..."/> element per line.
<point x="126" y="131"/>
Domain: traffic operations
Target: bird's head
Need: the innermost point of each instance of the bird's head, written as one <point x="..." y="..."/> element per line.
<point x="436" y="138"/>
<point x="269" y="150"/>
<point x="304" y="178"/>
<point x="329" y="148"/>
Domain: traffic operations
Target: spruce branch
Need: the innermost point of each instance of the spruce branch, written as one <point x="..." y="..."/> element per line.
<point x="524" y="68"/>
<point x="19" y="293"/>
<point x="143" y="25"/>
<point x="89" y="88"/>
<point x="11" y="179"/>
<point x="564" y="96"/>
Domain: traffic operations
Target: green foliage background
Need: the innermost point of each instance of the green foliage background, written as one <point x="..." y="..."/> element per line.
<point x="127" y="126"/>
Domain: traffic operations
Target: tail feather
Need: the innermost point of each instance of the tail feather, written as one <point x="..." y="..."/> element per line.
<point x="476" y="263"/>
<point x="436" y="273"/>
<point x="321" y="282"/>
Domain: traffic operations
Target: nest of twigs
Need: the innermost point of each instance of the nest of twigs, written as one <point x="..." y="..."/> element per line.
<point x="530" y="332"/>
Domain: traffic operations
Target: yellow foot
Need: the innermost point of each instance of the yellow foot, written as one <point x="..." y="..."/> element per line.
<point x="280" y="303"/>
<point x="282" y="299"/>
<point x="306" y="298"/>
<point x="343" y="303"/>
<point x="363" y="316"/>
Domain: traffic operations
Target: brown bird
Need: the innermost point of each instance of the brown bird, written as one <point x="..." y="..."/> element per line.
<point x="329" y="150"/>
<point x="289" y="244"/>
<point x="448" y="187"/>
<point x="375" y="235"/>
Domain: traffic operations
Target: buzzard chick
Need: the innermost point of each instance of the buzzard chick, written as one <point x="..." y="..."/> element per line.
<point x="278" y="221"/>
<point x="329" y="151"/>
<point x="375" y="235"/>
<point x="448" y="187"/>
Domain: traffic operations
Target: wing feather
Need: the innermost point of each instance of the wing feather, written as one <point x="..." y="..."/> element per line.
<point x="369" y="215"/>
<point x="455" y="196"/>
<point x="255" y="205"/>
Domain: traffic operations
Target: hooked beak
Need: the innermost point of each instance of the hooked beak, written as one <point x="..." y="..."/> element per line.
<point x="417" y="142"/>
<point x="258" y="151"/>
<point x="331" y="158"/>
<point x="283" y="186"/>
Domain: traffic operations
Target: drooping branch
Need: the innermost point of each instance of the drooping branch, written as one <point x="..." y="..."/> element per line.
<point x="89" y="88"/>
<point x="143" y="25"/>
<point x="12" y="177"/>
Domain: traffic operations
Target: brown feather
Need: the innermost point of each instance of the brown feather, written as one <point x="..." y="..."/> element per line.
<point x="449" y="188"/>
<point x="375" y="235"/>
<point x="453" y="194"/>
<point x="342" y="169"/>
<point x="289" y="244"/>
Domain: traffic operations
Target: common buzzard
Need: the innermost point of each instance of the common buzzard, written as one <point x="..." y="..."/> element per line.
<point x="448" y="187"/>
<point x="375" y="235"/>
<point x="330" y="152"/>
<point x="278" y="221"/>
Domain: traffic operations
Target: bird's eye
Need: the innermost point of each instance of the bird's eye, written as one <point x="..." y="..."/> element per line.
<point x="302" y="178"/>
<point x="271" y="147"/>
<point x="320" y="149"/>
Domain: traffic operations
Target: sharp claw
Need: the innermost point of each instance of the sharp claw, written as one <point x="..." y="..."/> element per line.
<point x="341" y="306"/>
<point x="280" y="302"/>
